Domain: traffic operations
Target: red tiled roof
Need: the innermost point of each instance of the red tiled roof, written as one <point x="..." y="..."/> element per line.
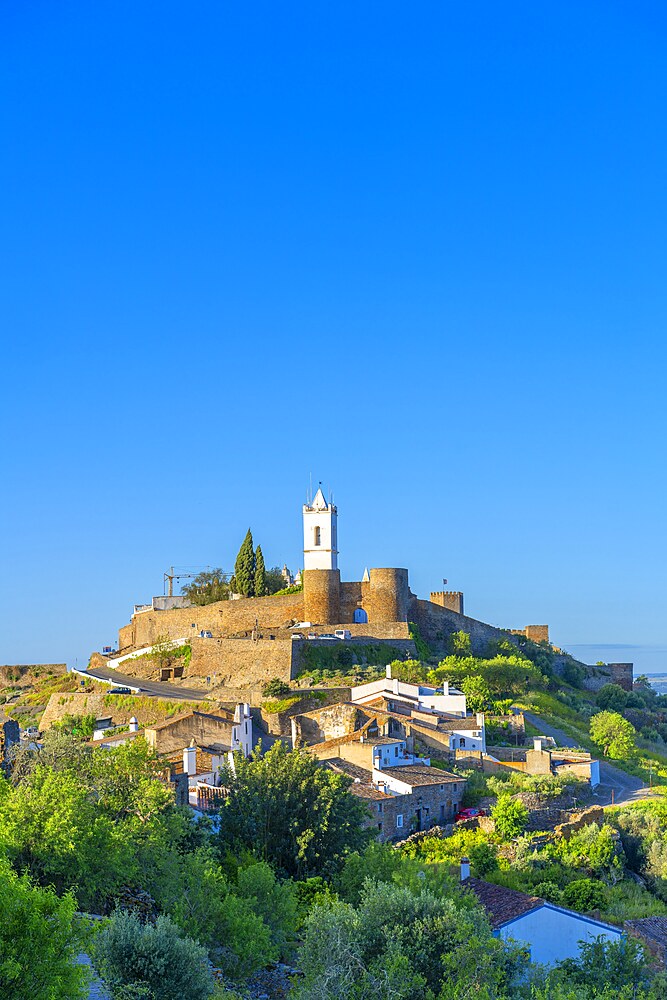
<point x="652" y="929"/>
<point x="421" y="774"/>
<point x="502" y="904"/>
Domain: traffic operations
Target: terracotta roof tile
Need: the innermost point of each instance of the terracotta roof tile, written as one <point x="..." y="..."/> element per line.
<point x="421" y="774"/>
<point x="652" y="929"/>
<point x="502" y="904"/>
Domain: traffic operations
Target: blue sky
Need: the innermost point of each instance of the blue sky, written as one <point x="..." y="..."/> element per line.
<point x="417" y="252"/>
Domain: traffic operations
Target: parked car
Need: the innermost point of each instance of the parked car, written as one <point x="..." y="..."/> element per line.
<point x="469" y="813"/>
<point x="297" y="635"/>
<point x="120" y="690"/>
<point x="330" y="637"/>
<point x="343" y="633"/>
<point x="205" y="635"/>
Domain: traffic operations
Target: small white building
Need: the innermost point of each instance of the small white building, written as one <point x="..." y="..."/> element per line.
<point x="445" y="699"/>
<point x="550" y="933"/>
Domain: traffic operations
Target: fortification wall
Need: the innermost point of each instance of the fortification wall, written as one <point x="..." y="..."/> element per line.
<point x="388" y="595"/>
<point x="609" y="673"/>
<point x="437" y="623"/>
<point x="321" y="596"/>
<point x="351" y="596"/>
<point x="623" y="674"/>
<point x="240" y="662"/>
<point x="223" y="618"/>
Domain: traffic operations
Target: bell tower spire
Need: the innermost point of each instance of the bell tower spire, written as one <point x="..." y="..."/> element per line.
<point x="320" y="533"/>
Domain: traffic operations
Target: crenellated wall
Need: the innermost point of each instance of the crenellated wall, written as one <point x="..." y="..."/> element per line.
<point x="451" y="599"/>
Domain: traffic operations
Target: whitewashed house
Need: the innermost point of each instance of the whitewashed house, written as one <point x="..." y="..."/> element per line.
<point x="549" y="932"/>
<point x="418" y="697"/>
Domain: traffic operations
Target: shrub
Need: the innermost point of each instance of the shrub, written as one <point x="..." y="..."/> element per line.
<point x="510" y="816"/>
<point x="584" y="894"/>
<point x="275" y="688"/>
<point x="127" y="953"/>
<point x="38" y="942"/>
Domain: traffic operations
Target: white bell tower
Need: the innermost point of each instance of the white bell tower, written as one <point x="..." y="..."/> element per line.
<point x="320" y="534"/>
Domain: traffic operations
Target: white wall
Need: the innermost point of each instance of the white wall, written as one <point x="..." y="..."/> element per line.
<point x="323" y="516"/>
<point x="553" y="934"/>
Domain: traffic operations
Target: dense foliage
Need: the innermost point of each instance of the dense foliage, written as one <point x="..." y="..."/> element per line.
<point x="296" y="814"/>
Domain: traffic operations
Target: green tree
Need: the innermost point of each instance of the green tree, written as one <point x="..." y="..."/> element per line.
<point x="477" y="692"/>
<point x="613" y="734"/>
<point x="290" y="811"/>
<point x="208" y="587"/>
<point x="616" y="964"/>
<point x="244" y="568"/>
<point x="612" y="698"/>
<point x="38" y="942"/>
<point x="402" y="942"/>
<point x="274" y="580"/>
<point x="128" y="953"/>
<point x="260" y="573"/>
<point x="510" y="816"/>
<point x="459" y="644"/>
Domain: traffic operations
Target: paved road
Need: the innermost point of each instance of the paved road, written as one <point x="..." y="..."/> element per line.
<point x="626" y="787"/>
<point x="161" y="688"/>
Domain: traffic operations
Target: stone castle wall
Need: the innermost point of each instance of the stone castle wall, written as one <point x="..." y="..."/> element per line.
<point x="222" y="618"/>
<point x="388" y="595"/>
<point x="437" y="623"/>
<point x="321" y="596"/>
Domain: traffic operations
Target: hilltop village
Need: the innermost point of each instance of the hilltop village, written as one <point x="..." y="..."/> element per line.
<point x="341" y="755"/>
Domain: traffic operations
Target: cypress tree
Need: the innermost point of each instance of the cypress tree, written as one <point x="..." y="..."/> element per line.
<point x="244" y="568"/>
<point x="260" y="573"/>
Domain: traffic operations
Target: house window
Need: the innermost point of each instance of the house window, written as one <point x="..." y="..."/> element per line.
<point x="395" y="751"/>
<point x="462" y="742"/>
<point x="317" y="534"/>
<point x="379" y="807"/>
<point x="379" y="827"/>
<point x="399" y="820"/>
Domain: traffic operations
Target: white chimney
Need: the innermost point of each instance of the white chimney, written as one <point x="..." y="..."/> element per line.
<point x="134" y="725"/>
<point x="465" y="869"/>
<point x="395" y="685"/>
<point x="387" y="671"/>
<point x="190" y="760"/>
<point x="246" y="709"/>
<point x="294" y="732"/>
<point x="237" y="713"/>
<point x="480" y="719"/>
<point x="538" y="744"/>
<point x="445" y="687"/>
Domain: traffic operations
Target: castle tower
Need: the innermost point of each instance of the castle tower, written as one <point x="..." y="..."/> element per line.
<point x="320" y="534"/>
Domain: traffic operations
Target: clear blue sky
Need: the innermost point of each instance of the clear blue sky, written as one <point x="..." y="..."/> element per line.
<point x="415" y="250"/>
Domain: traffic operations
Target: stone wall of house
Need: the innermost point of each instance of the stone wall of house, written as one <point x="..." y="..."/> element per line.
<point x="202" y="727"/>
<point x="329" y="723"/>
